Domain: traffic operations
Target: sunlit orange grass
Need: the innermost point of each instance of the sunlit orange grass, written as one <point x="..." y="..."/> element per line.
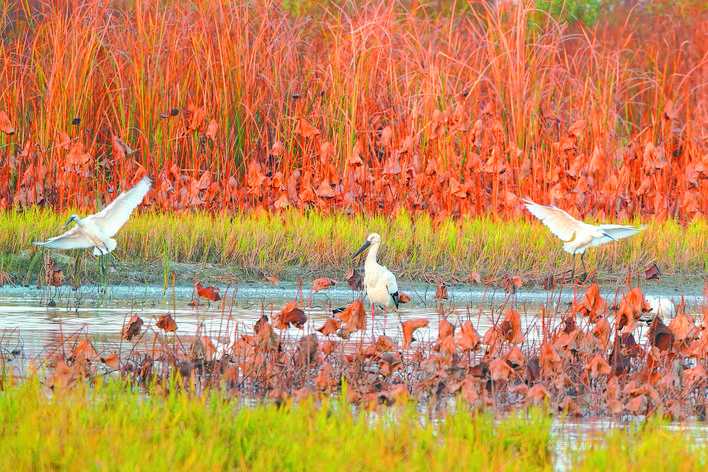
<point x="372" y="115"/>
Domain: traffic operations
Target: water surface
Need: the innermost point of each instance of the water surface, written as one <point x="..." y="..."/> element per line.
<point x="34" y="319"/>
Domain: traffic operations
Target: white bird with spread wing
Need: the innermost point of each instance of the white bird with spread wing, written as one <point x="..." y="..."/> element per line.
<point x="379" y="283"/>
<point x="579" y="236"/>
<point x="97" y="230"/>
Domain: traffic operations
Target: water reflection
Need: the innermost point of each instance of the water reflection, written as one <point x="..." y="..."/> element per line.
<point x="34" y="319"/>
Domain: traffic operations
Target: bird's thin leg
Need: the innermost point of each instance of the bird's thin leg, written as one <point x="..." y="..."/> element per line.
<point x="104" y="272"/>
<point x="572" y="272"/>
<point x="372" y="321"/>
<point x="585" y="271"/>
<point x="384" y="325"/>
<point x="77" y="279"/>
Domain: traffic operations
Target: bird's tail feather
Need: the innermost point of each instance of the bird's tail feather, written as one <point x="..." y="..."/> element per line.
<point x="570" y="248"/>
<point x="110" y="246"/>
<point x="394" y="295"/>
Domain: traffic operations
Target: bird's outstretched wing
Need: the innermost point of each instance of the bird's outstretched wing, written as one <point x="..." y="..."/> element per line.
<point x="71" y="239"/>
<point x="615" y="232"/>
<point x="558" y="221"/>
<point x="110" y="219"/>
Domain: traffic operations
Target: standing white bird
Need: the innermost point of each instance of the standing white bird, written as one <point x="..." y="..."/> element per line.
<point x="579" y="236"/>
<point x="96" y="230"/>
<point x="379" y="283"/>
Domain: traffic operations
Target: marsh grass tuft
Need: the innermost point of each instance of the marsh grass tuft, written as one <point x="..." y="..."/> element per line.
<point x="293" y="244"/>
<point x="654" y="445"/>
<point x="108" y="424"/>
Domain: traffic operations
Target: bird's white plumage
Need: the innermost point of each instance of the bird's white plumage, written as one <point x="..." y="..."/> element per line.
<point x="615" y="232"/>
<point x="558" y="221"/>
<point x="578" y="235"/>
<point x="223" y="349"/>
<point x="661" y="306"/>
<point x="109" y="220"/>
<point x="379" y="283"/>
<point x="97" y="230"/>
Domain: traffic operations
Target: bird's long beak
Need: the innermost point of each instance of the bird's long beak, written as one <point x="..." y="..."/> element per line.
<point x="67" y="223"/>
<point x="361" y="249"/>
<point x="605" y="233"/>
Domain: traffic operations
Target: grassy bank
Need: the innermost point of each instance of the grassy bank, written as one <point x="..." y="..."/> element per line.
<point x="291" y="244"/>
<point x="108" y="427"/>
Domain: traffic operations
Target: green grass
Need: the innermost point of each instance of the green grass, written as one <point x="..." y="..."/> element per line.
<point x="109" y="427"/>
<point x="289" y="245"/>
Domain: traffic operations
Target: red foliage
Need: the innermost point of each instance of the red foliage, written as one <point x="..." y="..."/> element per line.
<point x="355" y="280"/>
<point x="593" y="305"/>
<point x="167" y="323"/>
<point x="291" y="314"/>
<point x="5" y="125"/>
<point x="330" y="327"/>
<point x="653" y="272"/>
<point x="353" y="316"/>
<point x="210" y="293"/>
<point x="322" y="283"/>
<point x="632" y="306"/>
<point x="409" y="327"/>
<point x="132" y="328"/>
<point x="441" y="292"/>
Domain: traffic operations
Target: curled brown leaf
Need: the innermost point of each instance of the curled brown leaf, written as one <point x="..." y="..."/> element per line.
<point x="166" y="323"/>
<point x="291" y="314"/>
<point x="409" y="327"/>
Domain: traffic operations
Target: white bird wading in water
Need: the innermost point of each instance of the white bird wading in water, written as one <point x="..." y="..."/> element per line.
<point x="96" y="230"/>
<point x="660" y="306"/>
<point x="379" y="283"/>
<point x="579" y="236"/>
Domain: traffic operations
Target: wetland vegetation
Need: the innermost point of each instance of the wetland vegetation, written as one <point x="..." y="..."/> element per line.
<point x="289" y="245"/>
<point x="277" y="135"/>
<point x="107" y="426"/>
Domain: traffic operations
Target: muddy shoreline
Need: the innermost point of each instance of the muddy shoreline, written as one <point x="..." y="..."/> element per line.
<point x="31" y="272"/>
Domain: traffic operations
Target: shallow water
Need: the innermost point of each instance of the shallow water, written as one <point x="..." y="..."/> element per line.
<point x="571" y="435"/>
<point x="29" y="325"/>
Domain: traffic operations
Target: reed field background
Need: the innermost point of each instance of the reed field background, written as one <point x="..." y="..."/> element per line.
<point x="447" y="109"/>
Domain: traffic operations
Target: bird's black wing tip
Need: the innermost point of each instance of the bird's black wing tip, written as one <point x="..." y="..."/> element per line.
<point x="394" y="295"/>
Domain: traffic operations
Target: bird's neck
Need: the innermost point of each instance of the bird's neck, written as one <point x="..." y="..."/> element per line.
<point x="371" y="255"/>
